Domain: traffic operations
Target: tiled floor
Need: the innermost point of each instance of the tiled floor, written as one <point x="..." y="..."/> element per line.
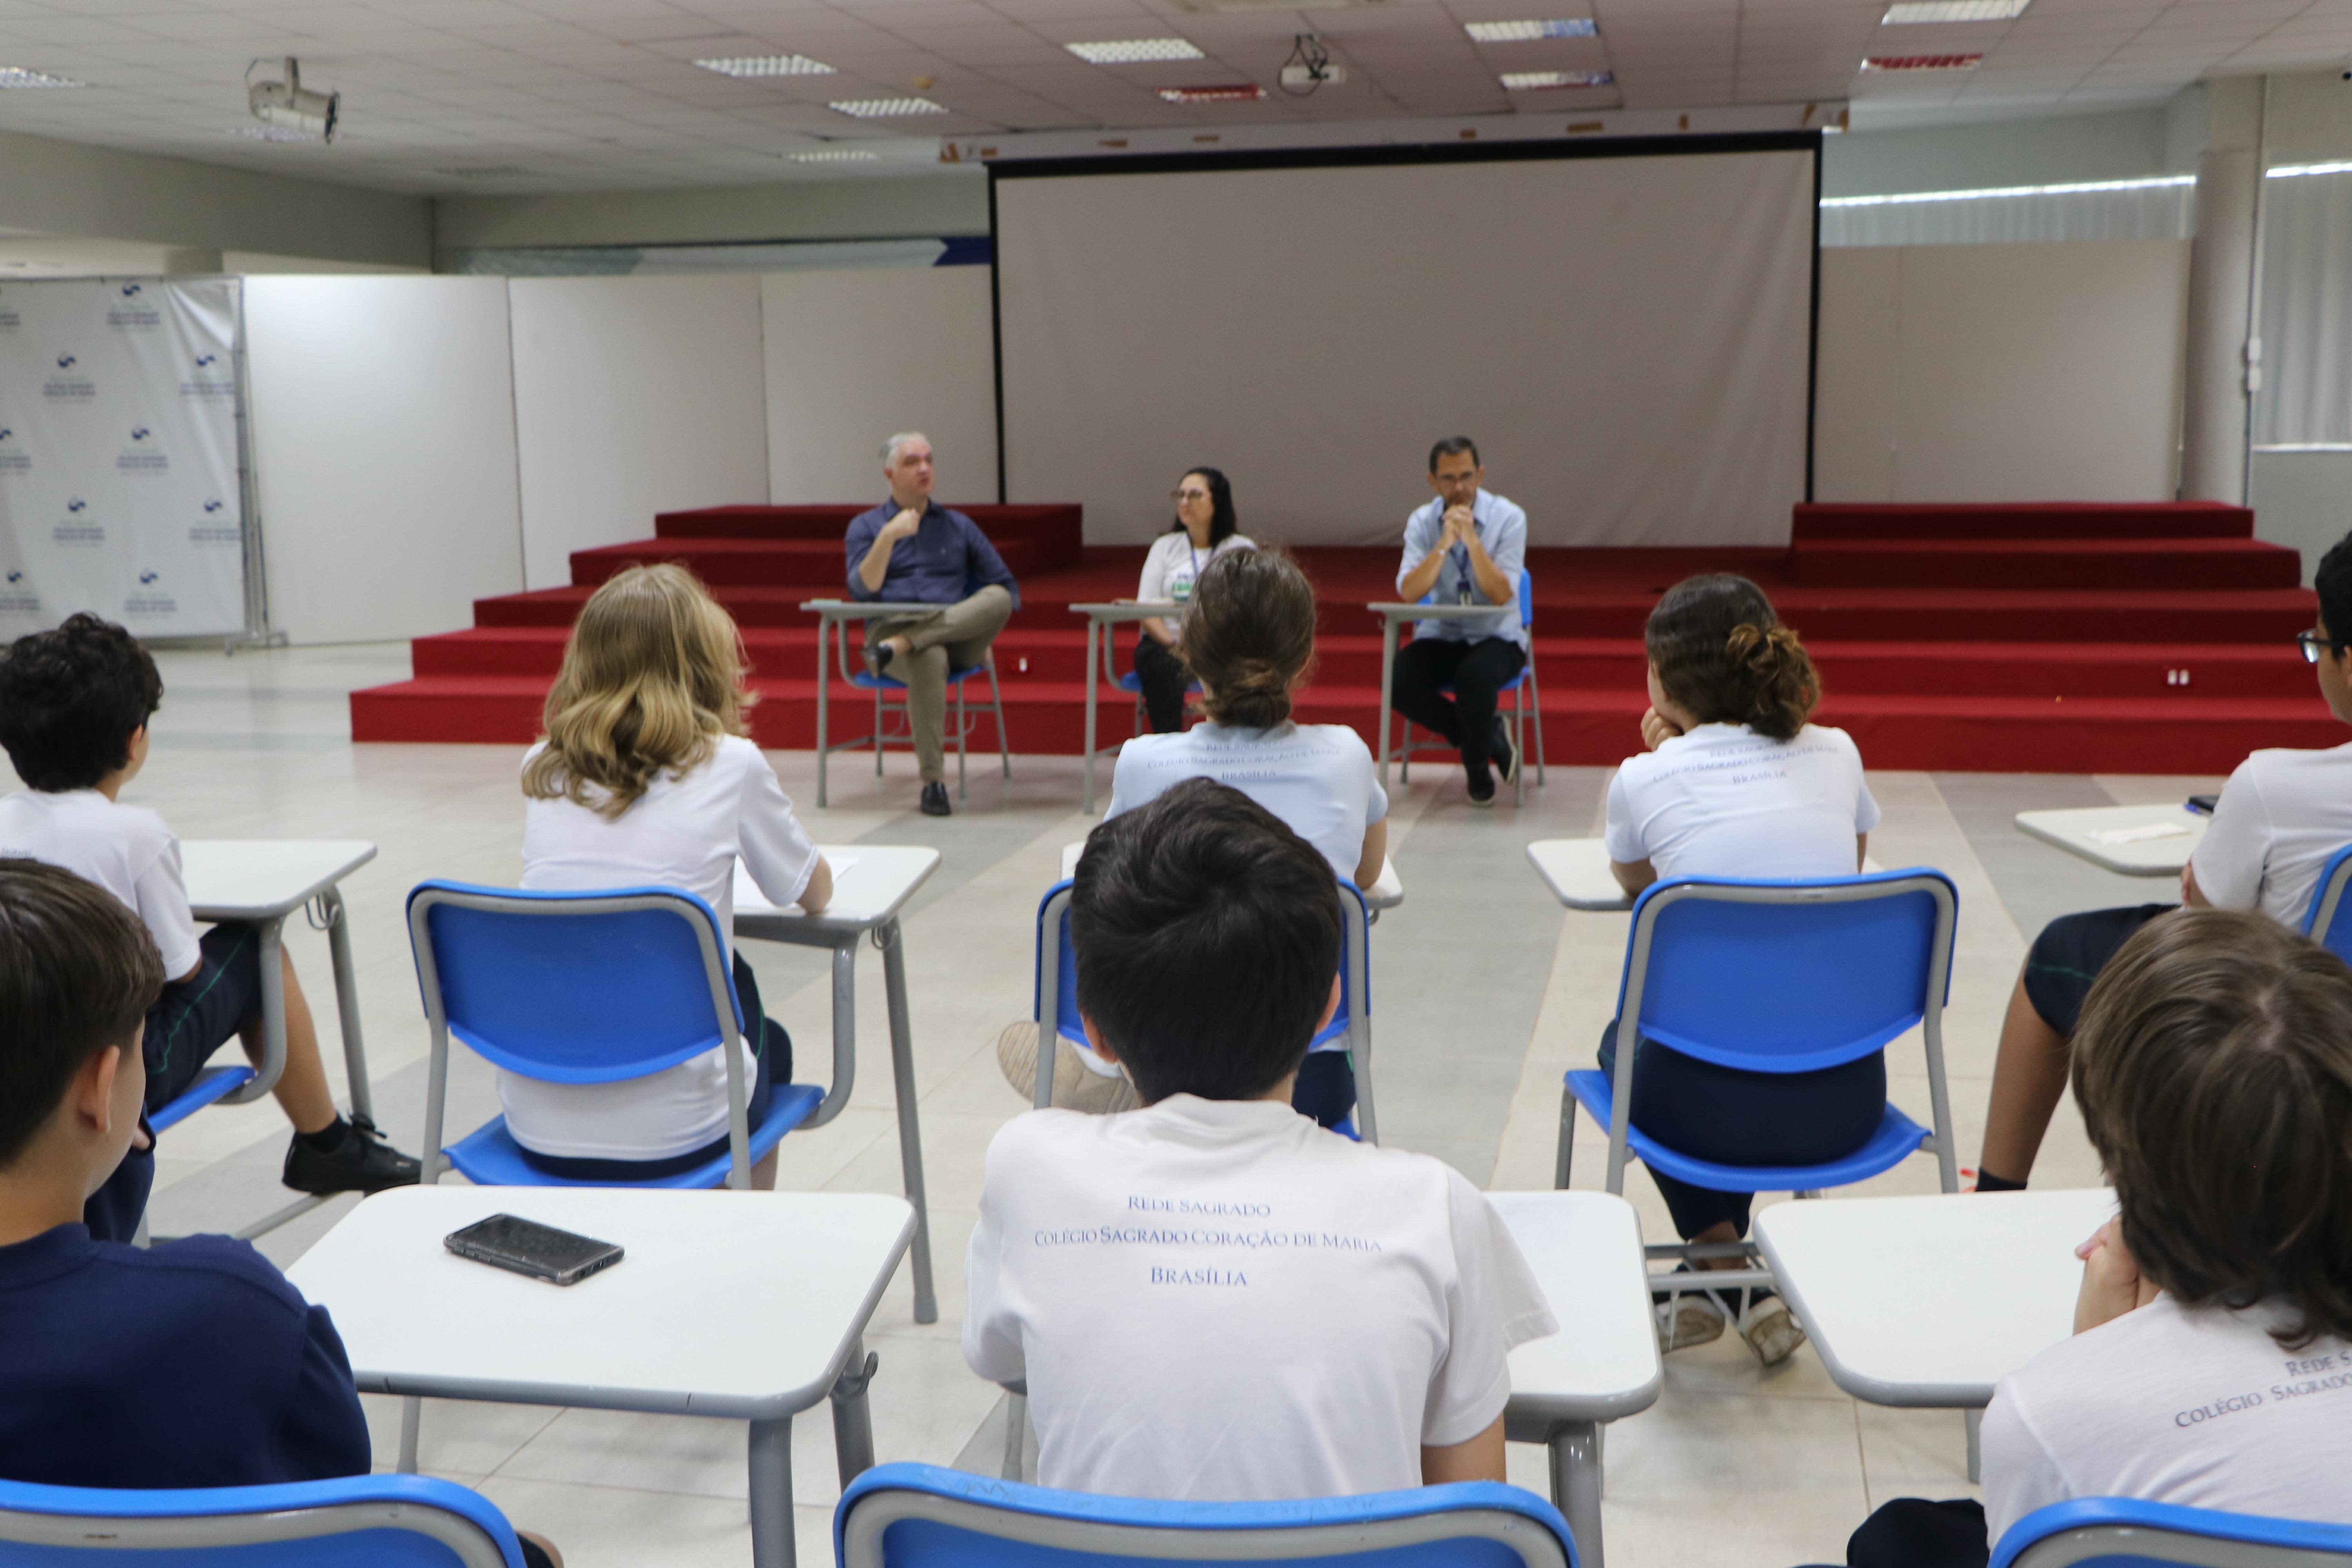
<point x="1487" y="993"/>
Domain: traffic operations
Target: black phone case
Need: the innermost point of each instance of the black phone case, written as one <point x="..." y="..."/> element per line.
<point x="532" y="1267"/>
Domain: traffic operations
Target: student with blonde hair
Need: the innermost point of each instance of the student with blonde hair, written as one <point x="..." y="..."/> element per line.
<point x="647" y="776"/>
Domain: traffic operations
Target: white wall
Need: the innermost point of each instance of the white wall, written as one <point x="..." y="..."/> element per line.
<point x="1995" y="372"/>
<point x="2301" y="500"/>
<point x="633" y="395"/>
<point x="384" y="450"/>
<point x="854" y="357"/>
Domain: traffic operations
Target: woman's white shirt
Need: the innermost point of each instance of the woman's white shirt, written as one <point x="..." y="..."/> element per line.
<point x="1175" y="564"/>
<point x="686" y="831"/>
<point x="1317" y="778"/>
<point x="1723" y="801"/>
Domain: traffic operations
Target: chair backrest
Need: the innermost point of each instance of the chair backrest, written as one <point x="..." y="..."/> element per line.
<point x="920" y="1516"/>
<point x="2328" y="922"/>
<point x="359" y="1522"/>
<point x="2124" y="1533"/>
<point x="1527" y="599"/>
<point x="587" y="987"/>
<point x="1788" y="976"/>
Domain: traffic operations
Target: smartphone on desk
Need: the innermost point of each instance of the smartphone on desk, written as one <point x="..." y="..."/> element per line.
<point x="526" y="1247"/>
<point x="2204" y="804"/>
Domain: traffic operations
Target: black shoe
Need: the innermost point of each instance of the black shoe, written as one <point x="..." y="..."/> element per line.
<point x="935" y="799"/>
<point x="1505" y="755"/>
<point x="1482" y="792"/>
<point x="877" y="658"/>
<point x="361" y="1162"/>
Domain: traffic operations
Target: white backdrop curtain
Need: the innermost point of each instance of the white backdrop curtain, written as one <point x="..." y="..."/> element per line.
<point x="2306" y="313"/>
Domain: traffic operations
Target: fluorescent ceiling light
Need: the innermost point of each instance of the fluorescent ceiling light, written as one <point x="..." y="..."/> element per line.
<point x="487" y="172"/>
<point x="272" y="133"/>
<point x="2153" y="182"/>
<point x="837" y="156"/>
<point x="766" y="65"/>
<point x="17" y="75"/>
<point x="1235" y="92"/>
<point x="1135" y="51"/>
<point x="886" y="108"/>
<point x="1921" y="62"/>
<point x="2296" y="171"/>
<point x="1522" y="32"/>
<point x="1535" y="82"/>
<point x="1953" y="11"/>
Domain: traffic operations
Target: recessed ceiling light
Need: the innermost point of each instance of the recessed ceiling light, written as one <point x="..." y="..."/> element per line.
<point x="766" y="65"/>
<point x="1921" y="62"/>
<point x="1236" y="92"/>
<point x="271" y="133"/>
<point x="837" y="156"/>
<point x="1134" y="51"/>
<point x="1954" y="11"/>
<point x="886" y="108"/>
<point x="1535" y="82"/>
<point x="1522" y="32"/>
<point x="17" y="75"/>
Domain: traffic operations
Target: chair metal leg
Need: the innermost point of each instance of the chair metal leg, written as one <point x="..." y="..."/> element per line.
<point x="1567" y="1153"/>
<point x="1003" y="741"/>
<point x="1975" y="1419"/>
<point x="963" y="731"/>
<point x="1016" y="1435"/>
<point x="772" y="1494"/>
<point x="877" y="732"/>
<point x="347" y="1001"/>
<point x="411" y="1417"/>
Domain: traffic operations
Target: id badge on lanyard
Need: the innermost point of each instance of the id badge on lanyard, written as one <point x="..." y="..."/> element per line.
<point x="1463" y="587"/>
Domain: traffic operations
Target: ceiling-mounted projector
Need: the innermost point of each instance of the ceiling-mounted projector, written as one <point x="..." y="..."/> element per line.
<point x="291" y="107"/>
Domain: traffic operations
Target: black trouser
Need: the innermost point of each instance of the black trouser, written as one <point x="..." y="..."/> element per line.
<point x="1477" y="671"/>
<point x="1326" y="1088"/>
<point x="1164" y="678"/>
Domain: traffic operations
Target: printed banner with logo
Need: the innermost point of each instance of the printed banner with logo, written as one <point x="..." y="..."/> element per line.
<point x="119" y="486"/>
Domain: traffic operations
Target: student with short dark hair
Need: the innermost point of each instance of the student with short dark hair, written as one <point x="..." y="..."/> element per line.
<point x="2282" y="815"/>
<point x="74" y="707"/>
<point x="1164" y="1279"/>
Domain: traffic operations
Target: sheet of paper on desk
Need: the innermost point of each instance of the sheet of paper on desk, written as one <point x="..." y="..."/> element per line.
<point x="2139" y="835"/>
<point x="747" y="891"/>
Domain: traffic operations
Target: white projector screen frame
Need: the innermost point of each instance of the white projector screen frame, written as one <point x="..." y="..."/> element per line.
<point x="1288" y="317"/>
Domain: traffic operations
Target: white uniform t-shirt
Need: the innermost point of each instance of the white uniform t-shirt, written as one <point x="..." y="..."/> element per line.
<point x="1176" y="563"/>
<point x="1217" y="1299"/>
<point x="1723" y="801"/>
<point x="2197" y="1407"/>
<point x="683" y="832"/>
<point x="2280" y="818"/>
<point x="126" y="849"/>
<point x="1317" y="778"/>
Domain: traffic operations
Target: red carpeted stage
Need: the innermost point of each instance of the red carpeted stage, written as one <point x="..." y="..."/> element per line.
<point x="2056" y="639"/>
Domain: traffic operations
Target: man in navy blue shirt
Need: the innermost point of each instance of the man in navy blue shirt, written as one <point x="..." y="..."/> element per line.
<point x="911" y="550"/>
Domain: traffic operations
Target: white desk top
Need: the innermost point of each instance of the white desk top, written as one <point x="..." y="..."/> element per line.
<point x="260" y="879"/>
<point x="1398" y="610"/>
<point x="1586" y="1251"/>
<point x="1385" y="893"/>
<point x="1932" y="1300"/>
<point x="1111" y="611"/>
<point x="2148" y="846"/>
<point x="877" y="888"/>
<point x="729" y="1304"/>
<point x="1577" y="872"/>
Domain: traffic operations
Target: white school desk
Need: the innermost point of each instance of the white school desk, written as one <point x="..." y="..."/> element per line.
<point x="1385" y="893"/>
<point x="2129" y="840"/>
<point x="1100" y="619"/>
<point x="1930" y="1301"/>
<point x="1577" y="872"/>
<point x="738" y="1306"/>
<point x="262" y="881"/>
<point x="867" y="898"/>
<point x="1586" y="1251"/>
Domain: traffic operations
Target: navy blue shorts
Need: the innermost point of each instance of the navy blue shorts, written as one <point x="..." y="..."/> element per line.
<point x="195" y="1017"/>
<point x="2068" y="955"/>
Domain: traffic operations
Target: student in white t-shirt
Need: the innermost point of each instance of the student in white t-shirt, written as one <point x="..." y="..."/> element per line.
<point x="1205" y="527"/>
<point x="2211" y="1360"/>
<point x="2280" y="818"/>
<point x="1211" y="1297"/>
<point x="647" y="776"/>
<point x="1738" y="784"/>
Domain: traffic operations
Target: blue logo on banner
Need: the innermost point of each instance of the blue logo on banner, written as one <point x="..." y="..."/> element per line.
<point x="6" y="432"/>
<point x="138" y="431"/>
<point x="65" y="362"/>
<point x="15" y="576"/>
<point x="75" y="504"/>
<point x="203" y="359"/>
<point x="209" y="506"/>
<point x="130" y="290"/>
<point x="147" y="577"/>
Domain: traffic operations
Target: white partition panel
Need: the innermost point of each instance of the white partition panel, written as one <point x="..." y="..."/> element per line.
<point x="854" y="357"/>
<point x="384" y="443"/>
<point x="633" y="395"/>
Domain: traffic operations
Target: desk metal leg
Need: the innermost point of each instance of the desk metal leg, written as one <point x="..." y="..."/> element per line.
<point x="910" y="1136"/>
<point x="823" y="713"/>
<point x="1016" y="1436"/>
<point x="412" y="1415"/>
<point x="772" y="1494"/>
<point x="1576" y="1485"/>
<point x="1090" y="716"/>
<point x="347" y="1001"/>
<point x="1388" y="689"/>
<point x="853" y="1419"/>
<point x="1975" y="1419"/>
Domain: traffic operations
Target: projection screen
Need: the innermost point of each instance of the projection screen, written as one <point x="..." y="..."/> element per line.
<point x="1627" y="333"/>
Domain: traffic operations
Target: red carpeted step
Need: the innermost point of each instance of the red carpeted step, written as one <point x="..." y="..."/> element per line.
<point x="2047" y="564"/>
<point x="2046" y="519"/>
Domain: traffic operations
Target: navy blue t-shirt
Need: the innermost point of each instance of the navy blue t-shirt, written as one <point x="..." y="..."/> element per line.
<point x="193" y="1363"/>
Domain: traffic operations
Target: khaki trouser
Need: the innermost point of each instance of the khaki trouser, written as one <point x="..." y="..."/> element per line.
<point x="956" y="637"/>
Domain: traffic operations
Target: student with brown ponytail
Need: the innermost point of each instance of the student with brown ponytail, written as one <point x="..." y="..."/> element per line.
<point x="1735" y="783"/>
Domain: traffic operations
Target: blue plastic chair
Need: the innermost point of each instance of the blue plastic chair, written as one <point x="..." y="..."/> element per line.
<point x="920" y="1516"/>
<point x="903" y="739"/>
<point x="1527" y="701"/>
<point x="1778" y="977"/>
<point x="2124" y="1533"/>
<point x="2327" y="922"/>
<point x="357" y="1521"/>
<point x="1054" y="997"/>
<point x="587" y="987"/>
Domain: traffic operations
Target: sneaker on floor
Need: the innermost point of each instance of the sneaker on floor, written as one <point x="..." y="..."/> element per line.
<point x="361" y="1162"/>
<point x="1505" y="755"/>
<point x="1693" y="1318"/>
<point x="1770" y="1330"/>
<point x="1482" y="792"/>
<point x="935" y="799"/>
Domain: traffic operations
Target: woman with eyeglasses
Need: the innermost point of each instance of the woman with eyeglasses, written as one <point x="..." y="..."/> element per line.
<point x="1203" y="530"/>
